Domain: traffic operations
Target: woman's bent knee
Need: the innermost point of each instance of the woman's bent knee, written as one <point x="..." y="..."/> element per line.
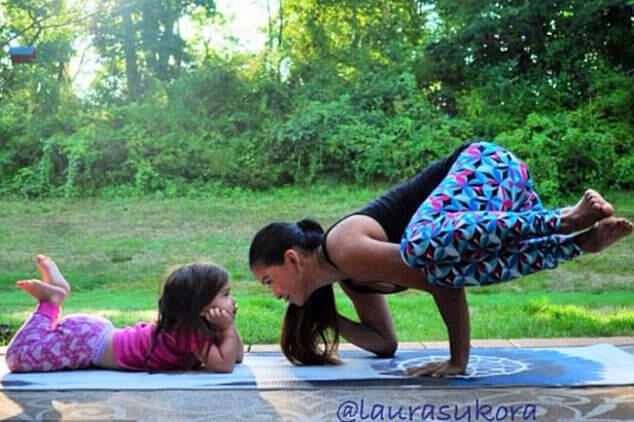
<point x="413" y="255"/>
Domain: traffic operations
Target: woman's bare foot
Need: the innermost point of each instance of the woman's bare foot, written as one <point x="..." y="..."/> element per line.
<point x="42" y="291"/>
<point x="603" y="234"/>
<point x="50" y="273"/>
<point x="590" y="209"/>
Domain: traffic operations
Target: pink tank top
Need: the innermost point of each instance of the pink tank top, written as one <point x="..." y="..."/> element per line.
<point x="130" y="345"/>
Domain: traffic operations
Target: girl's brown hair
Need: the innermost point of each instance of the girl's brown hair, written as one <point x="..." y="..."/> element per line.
<point x="186" y="291"/>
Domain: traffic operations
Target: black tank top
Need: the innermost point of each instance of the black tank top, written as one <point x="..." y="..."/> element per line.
<point x="394" y="210"/>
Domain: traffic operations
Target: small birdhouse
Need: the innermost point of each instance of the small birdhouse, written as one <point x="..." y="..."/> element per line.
<point x="23" y="54"/>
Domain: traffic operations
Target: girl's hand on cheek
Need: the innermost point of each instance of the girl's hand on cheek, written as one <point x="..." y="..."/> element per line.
<point x="219" y="318"/>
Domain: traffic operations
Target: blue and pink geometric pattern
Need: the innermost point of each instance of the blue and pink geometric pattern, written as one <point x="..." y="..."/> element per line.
<point x="485" y="224"/>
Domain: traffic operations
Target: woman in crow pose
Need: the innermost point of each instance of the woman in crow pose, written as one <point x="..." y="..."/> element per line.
<point x="470" y="219"/>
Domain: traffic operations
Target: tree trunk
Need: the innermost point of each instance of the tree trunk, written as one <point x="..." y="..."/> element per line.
<point x="167" y="47"/>
<point x="178" y="54"/>
<point x="281" y="27"/>
<point x="129" y="47"/>
<point x="270" y="28"/>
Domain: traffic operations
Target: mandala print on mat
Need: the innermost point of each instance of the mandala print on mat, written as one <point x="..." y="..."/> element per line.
<point x="478" y="367"/>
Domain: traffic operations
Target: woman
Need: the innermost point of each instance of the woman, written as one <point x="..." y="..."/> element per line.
<point x="471" y="218"/>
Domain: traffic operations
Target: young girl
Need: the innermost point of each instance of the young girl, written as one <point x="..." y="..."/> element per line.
<point x="195" y="327"/>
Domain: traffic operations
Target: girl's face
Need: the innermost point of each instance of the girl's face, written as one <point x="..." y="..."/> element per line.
<point x="224" y="300"/>
<point x="285" y="280"/>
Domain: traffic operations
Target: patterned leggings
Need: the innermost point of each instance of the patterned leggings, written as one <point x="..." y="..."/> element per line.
<point x="484" y="224"/>
<point x="46" y="344"/>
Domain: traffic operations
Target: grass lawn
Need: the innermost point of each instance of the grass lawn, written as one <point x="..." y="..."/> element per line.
<point x="114" y="252"/>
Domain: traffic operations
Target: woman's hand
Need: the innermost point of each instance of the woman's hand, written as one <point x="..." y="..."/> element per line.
<point x="436" y="369"/>
<point x="219" y="318"/>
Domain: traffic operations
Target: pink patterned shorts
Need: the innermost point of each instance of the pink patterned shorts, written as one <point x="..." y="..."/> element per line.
<point x="46" y="344"/>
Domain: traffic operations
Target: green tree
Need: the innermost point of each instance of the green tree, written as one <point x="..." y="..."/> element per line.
<point x="545" y="50"/>
<point x="141" y="39"/>
<point x="35" y="96"/>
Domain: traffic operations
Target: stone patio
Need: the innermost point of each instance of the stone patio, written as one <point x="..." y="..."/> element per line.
<point x="339" y="404"/>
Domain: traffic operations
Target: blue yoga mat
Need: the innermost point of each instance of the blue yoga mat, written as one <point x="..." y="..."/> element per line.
<point x="599" y="365"/>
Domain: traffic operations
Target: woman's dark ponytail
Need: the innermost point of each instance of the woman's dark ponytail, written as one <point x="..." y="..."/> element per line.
<point x="270" y="243"/>
<point x="311" y="228"/>
<point x="310" y="333"/>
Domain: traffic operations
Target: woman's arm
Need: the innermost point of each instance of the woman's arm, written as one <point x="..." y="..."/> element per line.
<point x="375" y="330"/>
<point x="452" y="304"/>
<point x="359" y="247"/>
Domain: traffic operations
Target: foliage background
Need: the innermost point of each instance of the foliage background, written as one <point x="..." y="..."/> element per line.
<point x="347" y="90"/>
<point x="182" y="148"/>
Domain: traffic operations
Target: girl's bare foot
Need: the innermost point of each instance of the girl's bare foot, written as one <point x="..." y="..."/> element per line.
<point x="42" y="291"/>
<point x="603" y="234"/>
<point x="50" y="273"/>
<point x="590" y="209"/>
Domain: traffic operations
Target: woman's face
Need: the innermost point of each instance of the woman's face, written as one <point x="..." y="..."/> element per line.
<point x="285" y="280"/>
